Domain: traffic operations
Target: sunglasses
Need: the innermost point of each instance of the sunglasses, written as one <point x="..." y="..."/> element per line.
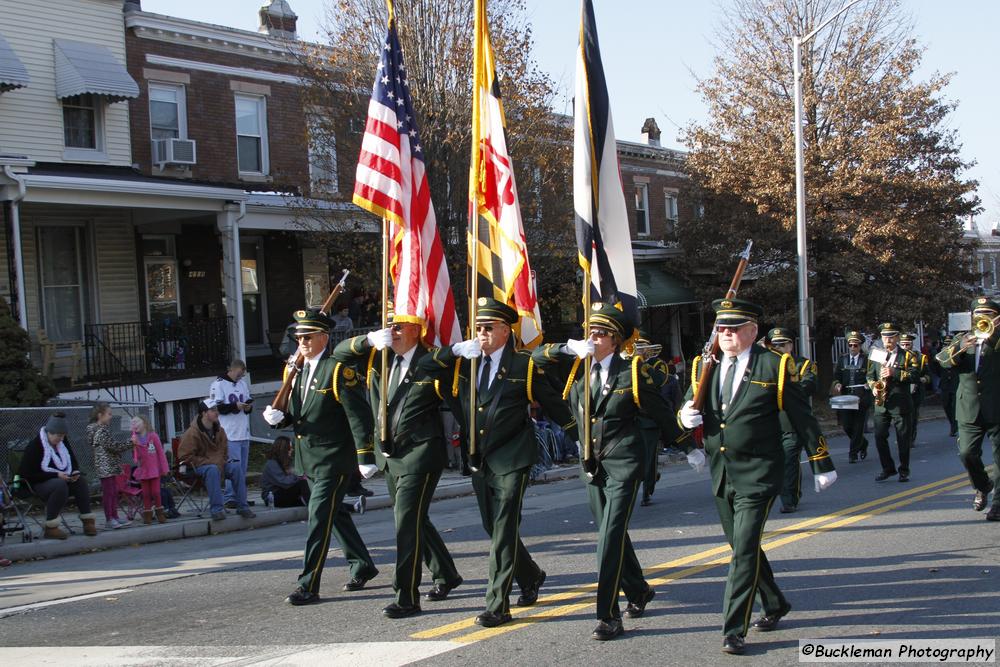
<point x="305" y="337"/>
<point x="853" y="345"/>
<point x="728" y="327"/>
<point x="396" y="327"/>
<point x="599" y="333"/>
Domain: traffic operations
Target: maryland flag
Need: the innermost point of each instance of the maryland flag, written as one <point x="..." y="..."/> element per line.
<point x="503" y="271"/>
<point x="602" y="232"/>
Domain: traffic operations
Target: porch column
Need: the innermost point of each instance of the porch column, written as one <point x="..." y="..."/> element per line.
<point x="228" y="222"/>
<point x="13" y="207"/>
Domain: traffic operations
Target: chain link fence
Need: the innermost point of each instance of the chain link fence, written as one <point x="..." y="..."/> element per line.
<point x="19" y="426"/>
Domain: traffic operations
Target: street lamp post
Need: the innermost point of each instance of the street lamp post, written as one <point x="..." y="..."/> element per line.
<point x="805" y="349"/>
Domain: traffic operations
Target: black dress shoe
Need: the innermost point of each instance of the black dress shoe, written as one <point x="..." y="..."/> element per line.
<point x="852" y="458"/>
<point x="489" y="619"/>
<point x="733" y="644"/>
<point x="301" y="596"/>
<point x="396" y="611"/>
<point x="788" y="509"/>
<point x="357" y="583"/>
<point x="863" y="454"/>
<point x="646" y="501"/>
<point x="994" y="513"/>
<point x="529" y="595"/>
<point x="440" y="591"/>
<point x="769" y="622"/>
<point x="882" y="476"/>
<point x="952" y="433"/>
<point x="608" y="628"/>
<point x="360" y="491"/>
<point x="636" y="609"/>
<point x="904" y="475"/>
<point x="979" y="504"/>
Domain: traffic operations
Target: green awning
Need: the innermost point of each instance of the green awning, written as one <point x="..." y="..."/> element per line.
<point x="659" y="288"/>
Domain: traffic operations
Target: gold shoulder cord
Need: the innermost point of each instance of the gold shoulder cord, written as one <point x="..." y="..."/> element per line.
<point x="531" y="372"/>
<point x="333" y="381"/>
<point x="454" y="382"/>
<point x="694" y="374"/>
<point x="572" y="376"/>
<point x="437" y="389"/>
<point x="368" y="371"/>
<point x="636" y="360"/>
<point x="782" y="372"/>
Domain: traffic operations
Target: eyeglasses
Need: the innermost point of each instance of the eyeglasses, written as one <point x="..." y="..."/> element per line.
<point x="396" y="327"/>
<point x="728" y="327"/>
<point x="599" y="333"/>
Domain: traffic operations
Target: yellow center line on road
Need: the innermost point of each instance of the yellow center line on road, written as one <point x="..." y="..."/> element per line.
<point x="720" y="555"/>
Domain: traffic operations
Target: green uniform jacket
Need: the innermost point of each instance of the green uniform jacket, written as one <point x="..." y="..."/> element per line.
<point x="505" y="434"/>
<point x="329" y="439"/>
<point x="416" y="434"/>
<point x="632" y="391"/>
<point x="745" y="445"/>
<point x="805" y="375"/>
<point x="923" y="378"/>
<point x="898" y="400"/>
<point x="977" y="394"/>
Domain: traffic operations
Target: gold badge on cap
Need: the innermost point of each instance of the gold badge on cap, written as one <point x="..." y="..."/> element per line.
<point x="482" y="301"/>
<point x="727" y="304"/>
<point x="597" y="305"/>
<point x="982" y="300"/>
<point x="300" y="313"/>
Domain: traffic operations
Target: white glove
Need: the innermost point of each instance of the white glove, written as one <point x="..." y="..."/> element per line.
<point x="380" y="339"/>
<point x="696" y="459"/>
<point x="470" y="349"/>
<point x="579" y="348"/>
<point x="690" y="418"/>
<point x="368" y="470"/>
<point x="272" y="416"/>
<point x="824" y="480"/>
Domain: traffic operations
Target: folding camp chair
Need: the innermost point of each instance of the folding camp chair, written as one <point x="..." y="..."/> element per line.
<point x="129" y="493"/>
<point x="28" y="506"/>
<point x="186" y="484"/>
<point x="12" y="521"/>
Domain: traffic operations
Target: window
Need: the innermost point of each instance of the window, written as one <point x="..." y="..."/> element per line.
<point x="993" y="271"/>
<point x="82" y="122"/>
<point x="641" y="209"/>
<point x="167" y="111"/>
<point x="322" y="157"/>
<point x="62" y="258"/>
<point x="670" y="208"/>
<point x="251" y="134"/>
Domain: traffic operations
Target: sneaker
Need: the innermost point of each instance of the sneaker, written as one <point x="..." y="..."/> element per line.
<point x="246" y="513"/>
<point x="173" y="513"/>
<point x="113" y="524"/>
<point x="360" y="504"/>
<point x="123" y="522"/>
<point x="218" y="516"/>
<point x="230" y="505"/>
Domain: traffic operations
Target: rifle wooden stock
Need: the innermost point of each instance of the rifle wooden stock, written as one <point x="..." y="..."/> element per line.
<point x="710" y="355"/>
<point x="280" y="401"/>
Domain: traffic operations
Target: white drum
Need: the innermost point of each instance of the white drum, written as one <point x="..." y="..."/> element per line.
<point x="845" y="402"/>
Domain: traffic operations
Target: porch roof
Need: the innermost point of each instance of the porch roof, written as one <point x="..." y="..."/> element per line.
<point x="659" y="288"/>
<point x="13" y="73"/>
<point x="82" y="68"/>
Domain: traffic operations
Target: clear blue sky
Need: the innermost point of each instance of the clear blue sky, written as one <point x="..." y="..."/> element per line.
<point x="650" y="50"/>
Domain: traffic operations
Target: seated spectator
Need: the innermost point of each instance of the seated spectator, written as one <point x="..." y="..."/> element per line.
<point x="204" y="447"/>
<point x="51" y="468"/>
<point x="107" y="462"/>
<point x="280" y="486"/>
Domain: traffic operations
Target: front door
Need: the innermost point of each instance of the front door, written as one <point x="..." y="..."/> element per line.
<point x="254" y="298"/>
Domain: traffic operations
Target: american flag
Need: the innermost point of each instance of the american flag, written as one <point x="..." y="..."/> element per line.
<point x="391" y="182"/>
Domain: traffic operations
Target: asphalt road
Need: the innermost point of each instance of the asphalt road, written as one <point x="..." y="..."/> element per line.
<point x="864" y="560"/>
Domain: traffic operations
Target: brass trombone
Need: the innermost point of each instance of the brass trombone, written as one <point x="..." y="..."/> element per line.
<point x="983" y="328"/>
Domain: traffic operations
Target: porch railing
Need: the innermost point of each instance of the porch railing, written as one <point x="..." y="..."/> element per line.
<point x="133" y="352"/>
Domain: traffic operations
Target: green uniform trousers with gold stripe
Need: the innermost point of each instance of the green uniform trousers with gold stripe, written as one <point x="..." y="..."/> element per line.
<point x="416" y="537"/>
<point x="327" y="517"/>
<point x="791" y="487"/>
<point x="500" y="498"/>
<point x="750" y="574"/>
<point x="611" y="503"/>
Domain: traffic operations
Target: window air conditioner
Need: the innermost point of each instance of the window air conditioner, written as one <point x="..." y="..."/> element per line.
<point x="173" y="151"/>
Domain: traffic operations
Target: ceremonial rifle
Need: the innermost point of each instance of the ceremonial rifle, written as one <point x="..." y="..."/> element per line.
<point x="296" y="360"/>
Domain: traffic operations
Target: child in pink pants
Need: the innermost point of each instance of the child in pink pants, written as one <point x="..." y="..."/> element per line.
<point x="151" y="465"/>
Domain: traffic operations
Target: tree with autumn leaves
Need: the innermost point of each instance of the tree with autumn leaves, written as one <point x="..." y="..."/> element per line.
<point x="437" y="41"/>
<point x="886" y="191"/>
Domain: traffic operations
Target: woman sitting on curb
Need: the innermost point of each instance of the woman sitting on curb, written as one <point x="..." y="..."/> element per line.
<point x="50" y="467"/>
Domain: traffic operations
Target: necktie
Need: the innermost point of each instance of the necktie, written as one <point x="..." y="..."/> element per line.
<point x="484" y="376"/>
<point x="727" y="384"/>
<point x="595" y="380"/>
<point x="304" y="381"/>
<point x="397" y="364"/>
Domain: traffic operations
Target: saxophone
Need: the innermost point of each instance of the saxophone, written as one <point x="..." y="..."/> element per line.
<point x="879" y="389"/>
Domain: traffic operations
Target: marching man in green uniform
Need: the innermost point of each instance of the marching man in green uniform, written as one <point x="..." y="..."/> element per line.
<point x="505" y="445"/>
<point x="750" y="389"/>
<point x="331" y="444"/>
<point x="412" y="458"/>
<point x="919" y="387"/>
<point x="621" y="391"/>
<point x="851" y="380"/>
<point x="890" y="382"/>
<point x="782" y="341"/>
<point x="975" y="357"/>
<point x="948" y="386"/>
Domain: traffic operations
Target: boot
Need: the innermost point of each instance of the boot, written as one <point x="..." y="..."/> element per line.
<point x="89" y="524"/>
<point x="147" y="517"/>
<point x="53" y="531"/>
<point x="161" y="516"/>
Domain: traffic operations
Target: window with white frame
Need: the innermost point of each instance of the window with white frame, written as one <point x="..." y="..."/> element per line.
<point x="251" y="134"/>
<point x="82" y="122"/>
<point x="167" y="111"/>
<point x="63" y="269"/>
<point x="323" y="174"/>
<point x="670" y="209"/>
<point x="641" y="209"/>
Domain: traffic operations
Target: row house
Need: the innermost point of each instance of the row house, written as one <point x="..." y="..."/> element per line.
<point x="150" y="172"/>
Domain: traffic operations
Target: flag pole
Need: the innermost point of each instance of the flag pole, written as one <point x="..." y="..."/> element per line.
<point x="383" y="379"/>
<point x="478" y="71"/>
<point x="587" y="454"/>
